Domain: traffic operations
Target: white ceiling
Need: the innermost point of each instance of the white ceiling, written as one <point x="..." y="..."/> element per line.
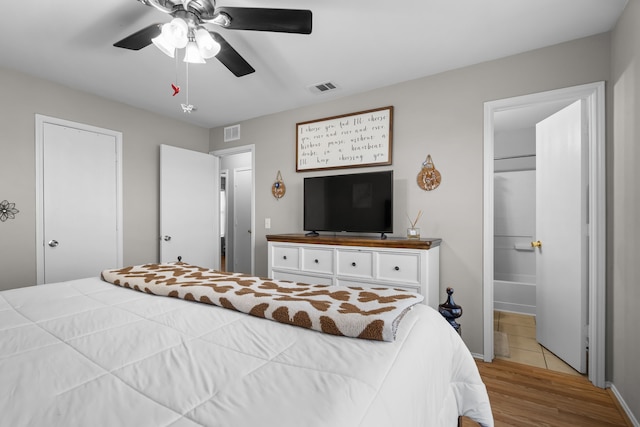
<point x="358" y="44"/>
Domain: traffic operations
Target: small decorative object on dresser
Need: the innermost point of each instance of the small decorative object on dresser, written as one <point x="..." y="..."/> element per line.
<point x="413" y="232"/>
<point x="451" y="311"/>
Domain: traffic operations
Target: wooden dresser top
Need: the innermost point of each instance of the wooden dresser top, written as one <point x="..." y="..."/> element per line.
<point x="374" y="242"/>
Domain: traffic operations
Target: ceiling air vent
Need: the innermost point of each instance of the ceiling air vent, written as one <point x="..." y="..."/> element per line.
<point x="231" y="133"/>
<point x="323" y="87"/>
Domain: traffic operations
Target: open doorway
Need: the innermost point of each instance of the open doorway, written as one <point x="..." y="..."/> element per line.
<point x="237" y="202"/>
<point x="223" y="219"/>
<point x="593" y="97"/>
<point x="516" y="285"/>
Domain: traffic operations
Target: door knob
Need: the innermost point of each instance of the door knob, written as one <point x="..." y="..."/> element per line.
<point x="166" y="238"/>
<point x="536" y="244"/>
<point x="53" y="243"/>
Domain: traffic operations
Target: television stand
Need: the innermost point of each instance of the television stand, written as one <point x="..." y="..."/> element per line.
<point x="383" y="236"/>
<point x="312" y="234"/>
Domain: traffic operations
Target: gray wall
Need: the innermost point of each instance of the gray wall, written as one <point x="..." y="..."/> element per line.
<point x="441" y="115"/>
<point x="624" y="208"/>
<point x="23" y="97"/>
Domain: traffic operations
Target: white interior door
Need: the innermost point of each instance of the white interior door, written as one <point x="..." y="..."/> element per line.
<point x="242" y="220"/>
<point x="189" y="207"/>
<point x="79" y="195"/>
<point x="561" y="229"/>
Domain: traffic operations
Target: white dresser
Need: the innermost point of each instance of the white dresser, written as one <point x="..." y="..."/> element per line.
<point x="358" y="261"/>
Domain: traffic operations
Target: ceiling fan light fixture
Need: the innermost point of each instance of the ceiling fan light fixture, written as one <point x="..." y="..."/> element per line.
<point x="162" y="44"/>
<point x="221" y="19"/>
<point x="176" y="33"/>
<point x="207" y="46"/>
<point x="192" y="54"/>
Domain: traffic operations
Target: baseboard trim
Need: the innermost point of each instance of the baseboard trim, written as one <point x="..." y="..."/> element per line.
<point x="623" y="405"/>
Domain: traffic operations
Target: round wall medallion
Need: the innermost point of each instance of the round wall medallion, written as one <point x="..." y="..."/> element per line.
<point x="428" y="178"/>
<point x="278" y="188"/>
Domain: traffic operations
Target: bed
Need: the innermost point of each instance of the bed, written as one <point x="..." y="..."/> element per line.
<point x="88" y="352"/>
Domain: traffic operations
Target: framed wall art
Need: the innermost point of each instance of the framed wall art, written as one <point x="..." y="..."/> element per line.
<point x="352" y="140"/>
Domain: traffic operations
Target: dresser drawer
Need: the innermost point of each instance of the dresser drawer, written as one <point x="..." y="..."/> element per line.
<point x="285" y="257"/>
<point x="302" y="278"/>
<point x="355" y="263"/>
<point x="364" y="284"/>
<point x="398" y="267"/>
<point x="317" y="260"/>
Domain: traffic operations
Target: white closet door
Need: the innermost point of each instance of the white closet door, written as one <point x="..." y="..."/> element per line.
<point x="79" y="203"/>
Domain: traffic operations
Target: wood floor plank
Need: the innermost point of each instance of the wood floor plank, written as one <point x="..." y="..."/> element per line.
<point x="526" y="396"/>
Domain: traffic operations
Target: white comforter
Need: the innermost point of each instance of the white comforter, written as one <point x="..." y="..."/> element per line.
<point x="88" y="353"/>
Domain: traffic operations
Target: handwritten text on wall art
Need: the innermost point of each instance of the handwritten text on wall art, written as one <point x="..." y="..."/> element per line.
<point x="352" y="140"/>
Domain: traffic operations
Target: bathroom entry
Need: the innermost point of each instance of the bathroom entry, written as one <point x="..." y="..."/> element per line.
<point x="593" y="95"/>
<point x="540" y="247"/>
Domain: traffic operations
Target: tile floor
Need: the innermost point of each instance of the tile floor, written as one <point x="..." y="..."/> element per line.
<point x="523" y="347"/>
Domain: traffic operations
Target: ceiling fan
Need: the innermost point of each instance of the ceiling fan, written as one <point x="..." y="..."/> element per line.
<point x="186" y="30"/>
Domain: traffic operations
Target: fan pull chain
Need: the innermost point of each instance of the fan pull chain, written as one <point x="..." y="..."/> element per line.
<point x="176" y="86"/>
<point x="187" y="108"/>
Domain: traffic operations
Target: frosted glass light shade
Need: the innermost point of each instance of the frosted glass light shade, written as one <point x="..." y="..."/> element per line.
<point x="192" y="54"/>
<point x="207" y="46"/>
<point x="176" y="33"/>
<point x="161" y="43"/>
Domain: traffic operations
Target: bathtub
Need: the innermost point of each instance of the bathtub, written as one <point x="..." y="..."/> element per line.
<point x="515" y="296"/>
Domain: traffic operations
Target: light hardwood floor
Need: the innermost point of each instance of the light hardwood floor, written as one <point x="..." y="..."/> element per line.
<point x="528" y="396"/>
<point x="533" y="387"/>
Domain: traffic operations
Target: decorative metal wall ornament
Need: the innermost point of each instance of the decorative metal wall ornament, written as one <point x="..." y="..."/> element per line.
<point x="278" y="188"/>
<point x="428" y="178"/>
<point x="7" y="210"/>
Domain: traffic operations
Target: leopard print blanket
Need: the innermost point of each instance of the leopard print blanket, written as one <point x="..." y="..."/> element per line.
<point x="360" y="312"/>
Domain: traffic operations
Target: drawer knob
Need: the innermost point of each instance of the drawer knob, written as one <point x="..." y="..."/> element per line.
<point x="284" y="257"/>
<point x="316" y="261"/>
<point x="353" y="264"/>
<point x="396" y="268"/>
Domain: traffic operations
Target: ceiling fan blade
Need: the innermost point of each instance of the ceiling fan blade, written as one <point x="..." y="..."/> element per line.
<point x="139" y="39"/>
<point x="230" y="58"/>
<point x="275" y="20"/>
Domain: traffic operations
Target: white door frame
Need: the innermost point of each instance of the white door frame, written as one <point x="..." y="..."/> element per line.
<point x="594" y="94"/>
<point x="40" y="121"/>
<point x="238" y="150"/>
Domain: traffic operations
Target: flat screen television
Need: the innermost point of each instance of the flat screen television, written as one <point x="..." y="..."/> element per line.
<point x="360" y="202"/>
